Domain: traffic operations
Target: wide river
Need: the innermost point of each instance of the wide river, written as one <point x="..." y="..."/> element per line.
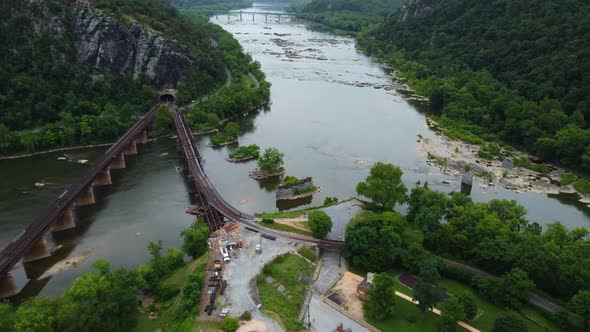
<point x="327" y="127"/>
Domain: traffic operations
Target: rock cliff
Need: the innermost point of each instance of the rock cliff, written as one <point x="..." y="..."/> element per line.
<point x="101" y="42"/>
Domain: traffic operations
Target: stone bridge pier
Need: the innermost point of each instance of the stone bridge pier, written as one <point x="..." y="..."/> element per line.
<point x="8" y="286"/>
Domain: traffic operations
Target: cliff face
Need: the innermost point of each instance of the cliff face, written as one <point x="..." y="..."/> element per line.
<point x="102" y="43"/>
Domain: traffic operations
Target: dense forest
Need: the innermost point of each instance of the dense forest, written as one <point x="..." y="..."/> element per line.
<point x="507" y="71"/>
<point x="346" y="15"/>
<point x="211" y="5"/>
<point x="51" y="101"/>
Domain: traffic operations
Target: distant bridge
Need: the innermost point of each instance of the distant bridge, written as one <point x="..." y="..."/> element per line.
<point x="241" y="14"/>
<point x="31" y="244"/>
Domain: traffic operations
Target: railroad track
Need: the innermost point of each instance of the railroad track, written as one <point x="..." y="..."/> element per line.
<point x="215" y="200"/>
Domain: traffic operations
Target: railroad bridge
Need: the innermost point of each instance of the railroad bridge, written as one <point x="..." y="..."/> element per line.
<point x="31" y="244"/>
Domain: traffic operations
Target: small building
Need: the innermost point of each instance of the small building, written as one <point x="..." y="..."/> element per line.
<point x="362" y="290"/>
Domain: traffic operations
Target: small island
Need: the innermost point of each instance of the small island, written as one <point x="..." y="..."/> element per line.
<point x="228" y="136"/>
<point x="269" y="164"/>
<point x="293" y="188"/>
<point x="244" y="153"/>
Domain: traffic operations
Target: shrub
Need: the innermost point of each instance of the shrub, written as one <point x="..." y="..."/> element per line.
<point x="330" y="201"/>
<point x="291" y="181"/>
<point x="268" y="221"/>
<point x="230" y="324"/>
<point x="247" y="315"/>
<point x="165" y="292"/>
<point x="509" y="322"/>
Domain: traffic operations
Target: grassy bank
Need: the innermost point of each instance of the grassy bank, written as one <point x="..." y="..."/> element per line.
<point x="285" y="270"/>
<point x="167" y="318"/>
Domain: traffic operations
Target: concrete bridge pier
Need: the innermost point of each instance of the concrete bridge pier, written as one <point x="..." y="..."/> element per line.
<point x="118" y="162"/>
<point x="252" y="17"/>
<point x="141" y="138"/>
<point x="38" y="251"/>
<point x="240" y="16"/>
<point x="65" y="221"/>
<point x="8" y="286"/>
<point x="131" y="148"/>
<point x="279" y="18"/>
<point x="86" y="197"/>
<point x="103" y="178"/>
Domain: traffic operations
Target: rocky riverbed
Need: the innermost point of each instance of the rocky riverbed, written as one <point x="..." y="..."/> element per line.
<point x="454" y="157"/>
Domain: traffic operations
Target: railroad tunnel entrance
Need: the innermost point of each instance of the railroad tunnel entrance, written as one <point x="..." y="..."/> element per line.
<point x="168" y="95"/>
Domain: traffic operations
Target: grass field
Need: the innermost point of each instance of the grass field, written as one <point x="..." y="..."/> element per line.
<point x="286" y="271"/>
<point x="491" y="311"/>
<point x="286" y="228"/>
<point x="408" y="319"/>
<point x="308" y="253"/>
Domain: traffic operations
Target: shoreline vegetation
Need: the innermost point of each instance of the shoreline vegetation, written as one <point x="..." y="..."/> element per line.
<point x="244" y="153"/>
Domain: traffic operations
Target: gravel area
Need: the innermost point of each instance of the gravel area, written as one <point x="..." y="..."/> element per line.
<point x="246" y="265"/>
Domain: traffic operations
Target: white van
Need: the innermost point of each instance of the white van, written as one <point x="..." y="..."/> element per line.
<point x="225" y="254"/>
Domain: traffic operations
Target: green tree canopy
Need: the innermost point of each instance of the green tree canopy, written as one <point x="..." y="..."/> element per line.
<point x="383" y="186"/>
<point x="510" y="322"/>
<point x="382" y="292"/>
<point x="271" y="160"/>
<point x="371" y="244"/>
<point x="452" y="311"/>
<point x="319" y="223"/>
<point x="580" y="304"/>
<point x="195" y="238"/>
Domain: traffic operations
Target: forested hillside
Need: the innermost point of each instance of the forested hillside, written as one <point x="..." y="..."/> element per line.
<point x="515" y="72"/>
<point x="213" y="5"/>
<point x="511" y="71"/>
<point x="348" y="15"/>
<point x="80" y="72"/>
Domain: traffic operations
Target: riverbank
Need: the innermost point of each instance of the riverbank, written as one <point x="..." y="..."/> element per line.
<point x="453" y="157"/>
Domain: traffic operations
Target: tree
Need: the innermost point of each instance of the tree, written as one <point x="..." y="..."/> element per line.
<point x="509" y="322"/>
<point x="427" y="292"/>
<point x="232" y="129"/>
<point x="469" y="305"/>
<point x="195" y="238"/>
<point x="212" y="120"/>
<point x="580" y="304"/>
<point x="514" y="288"/>
<point x="371" y="243"/>
<point x="427" y="295"/>
<point x="452" y="311"/>
<point x="429" y="270"/>
<point x="103" y="301"/>
<point x="230" y="324"/>
<point x="37" y="314"/>
<point x="271" y="160"/>
<point x="6" y="317"/>
<point x="157" y="262"/>
<point x="382" y="292"/>
<point x="383" y="186"/>
<point x="319" y="223"/>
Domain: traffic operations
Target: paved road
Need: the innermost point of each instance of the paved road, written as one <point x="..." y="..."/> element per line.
<point x="325" y="318"/>
<point x="341" y="215"/>
<point x="329" y="271"/>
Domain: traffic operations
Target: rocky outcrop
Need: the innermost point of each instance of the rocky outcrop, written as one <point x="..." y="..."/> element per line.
<point x="101" y="42"/>
<point x="417" y="8"/>
<point x="289" y="191"/>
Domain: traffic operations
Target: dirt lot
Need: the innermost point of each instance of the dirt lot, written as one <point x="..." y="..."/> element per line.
<point x="346" y="287"/>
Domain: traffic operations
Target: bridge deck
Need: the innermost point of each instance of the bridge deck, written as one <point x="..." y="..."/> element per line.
<point x="14" y="251"/>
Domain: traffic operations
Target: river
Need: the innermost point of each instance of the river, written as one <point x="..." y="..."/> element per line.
<point x="327" y="127"/>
